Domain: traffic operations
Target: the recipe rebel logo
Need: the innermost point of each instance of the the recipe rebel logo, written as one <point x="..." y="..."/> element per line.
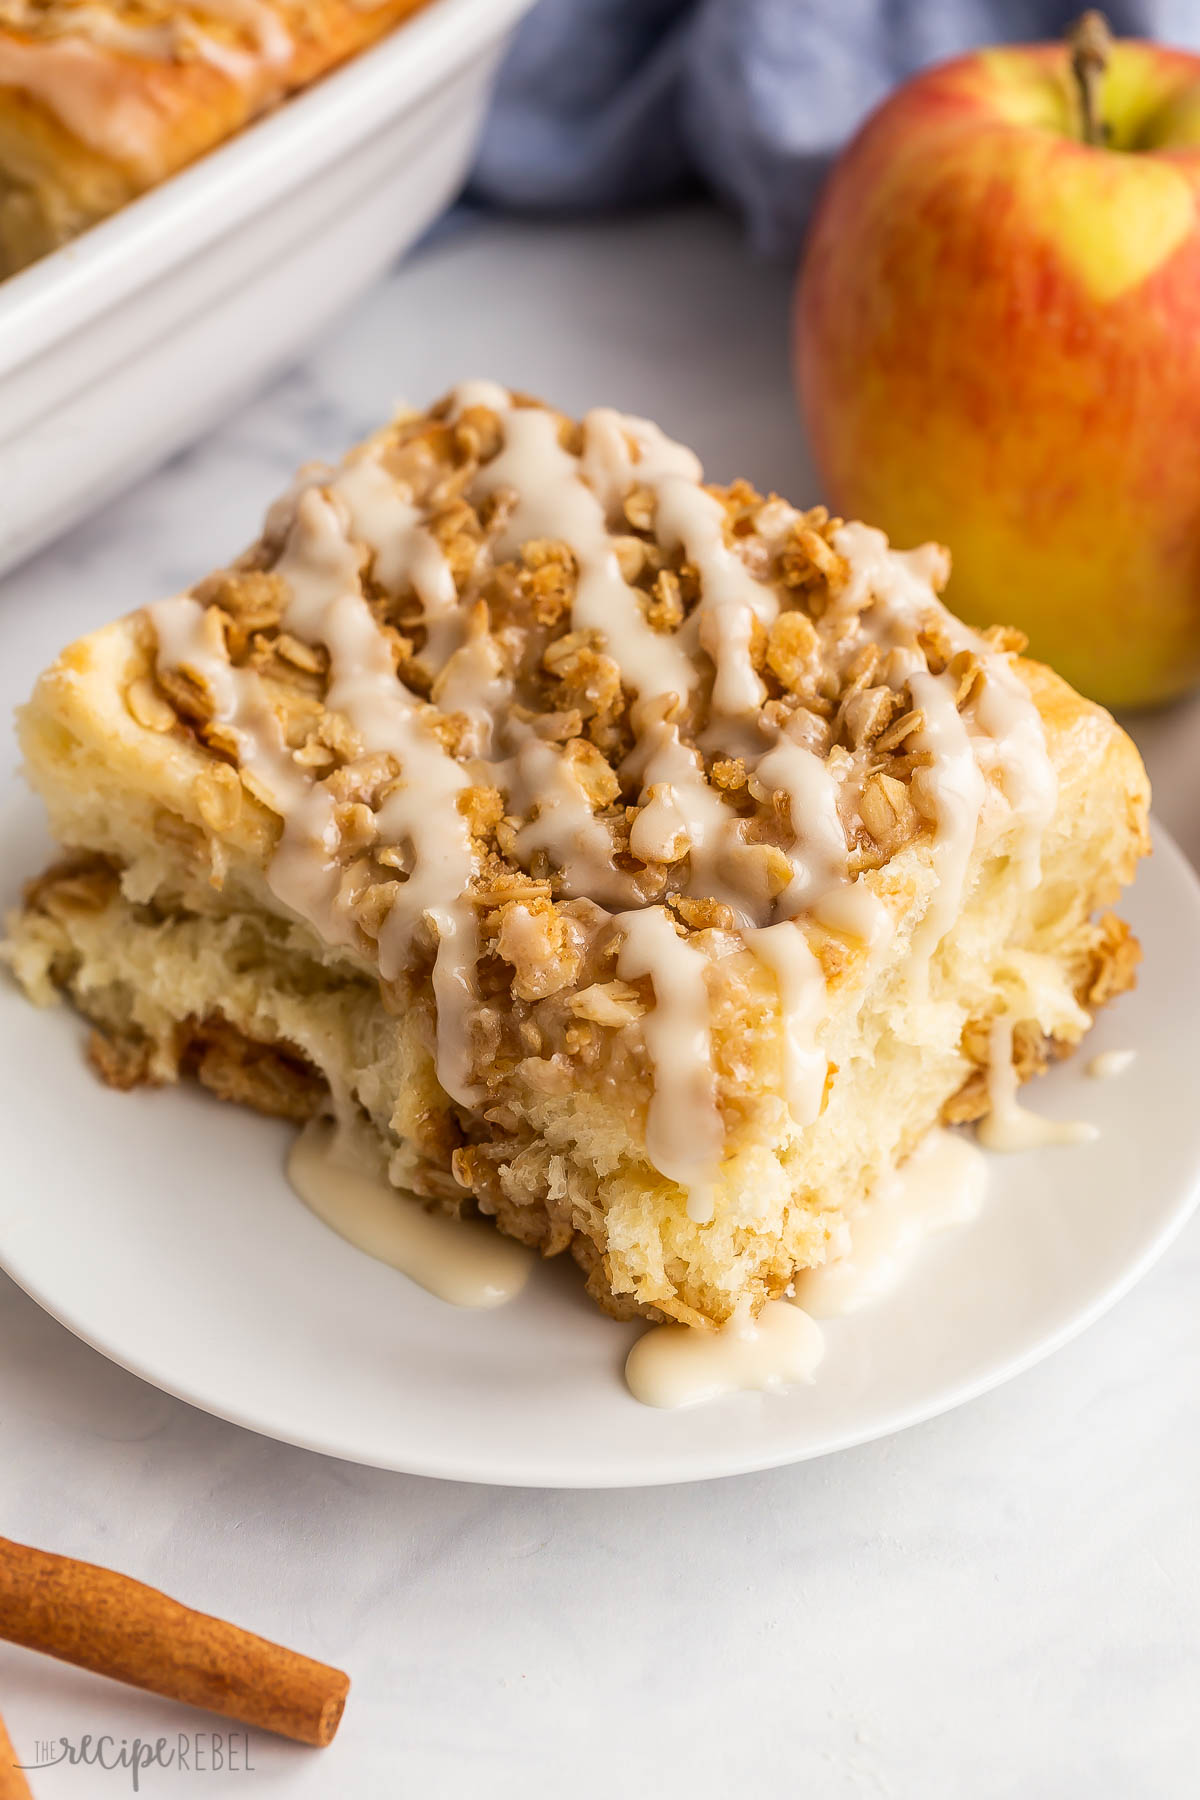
<point x="199" y="1752"/>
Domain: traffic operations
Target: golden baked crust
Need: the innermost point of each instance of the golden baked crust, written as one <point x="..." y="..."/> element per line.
<point x="100" y="101"/>
<point x="195" y="746"/>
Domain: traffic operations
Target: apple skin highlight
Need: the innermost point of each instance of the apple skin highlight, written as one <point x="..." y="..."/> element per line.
<point x="997" y="339"/>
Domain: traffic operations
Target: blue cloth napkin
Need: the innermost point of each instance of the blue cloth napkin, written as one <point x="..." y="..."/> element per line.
<point x="617" y="102"/>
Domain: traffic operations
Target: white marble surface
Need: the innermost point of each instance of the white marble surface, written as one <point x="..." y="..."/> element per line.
<point x="1001" y="1603"/>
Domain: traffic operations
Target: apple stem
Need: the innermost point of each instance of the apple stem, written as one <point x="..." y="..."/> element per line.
<point x="1090" y="41"/>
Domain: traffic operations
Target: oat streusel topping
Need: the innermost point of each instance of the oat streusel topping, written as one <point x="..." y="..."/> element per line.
<point x="553" y="727"/>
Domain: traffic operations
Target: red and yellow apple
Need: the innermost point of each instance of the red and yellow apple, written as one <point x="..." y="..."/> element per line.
<point x="998" y="346"/>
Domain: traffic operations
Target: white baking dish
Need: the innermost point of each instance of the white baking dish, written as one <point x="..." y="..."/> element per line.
<point x="119" y="348"/>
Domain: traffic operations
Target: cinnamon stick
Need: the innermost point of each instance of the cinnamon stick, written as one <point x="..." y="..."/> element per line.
<point x="13" y="1785"/>
<point x="116" y="1626"/>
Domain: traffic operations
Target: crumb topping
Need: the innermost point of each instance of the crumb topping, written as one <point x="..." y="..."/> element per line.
<point x="549" y="721"/>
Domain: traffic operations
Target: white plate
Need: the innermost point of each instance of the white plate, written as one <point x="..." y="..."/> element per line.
<point x="159" y="1228"/>
<point x="123" y="345"/>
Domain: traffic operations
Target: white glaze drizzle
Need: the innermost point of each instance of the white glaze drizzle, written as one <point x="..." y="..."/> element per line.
<point x="730" y="598"/>
<point x="1110" y="1063"/>
<point x="1006" y="728"/>
<point x="383" y="517"/>
<point x="941" y="1184"/>
<point x="564" y="824"/>
<point x="80" y="85"/>
<point x="673" y="1365"/>
<point x="951" y="791"/>
<point x="785" y="950"/>
<point x="1008" y="1125"/>
<point x="60" y="55"/>
<point x="99" y="25"/>
<point x="338" y="1171"/>
<point x="180" y="34"/>
<point x="818" y="850"/>
<point x="304" y="872"/>
<point x="553" y="501"/>
<point x="684" y="813"/>
<point x="331" y="530"/>
<point x="327" y="606"/>
<point x="683" y="1128"/>
<point x="1004" y="711"/>
<point x="272" y="39"/>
